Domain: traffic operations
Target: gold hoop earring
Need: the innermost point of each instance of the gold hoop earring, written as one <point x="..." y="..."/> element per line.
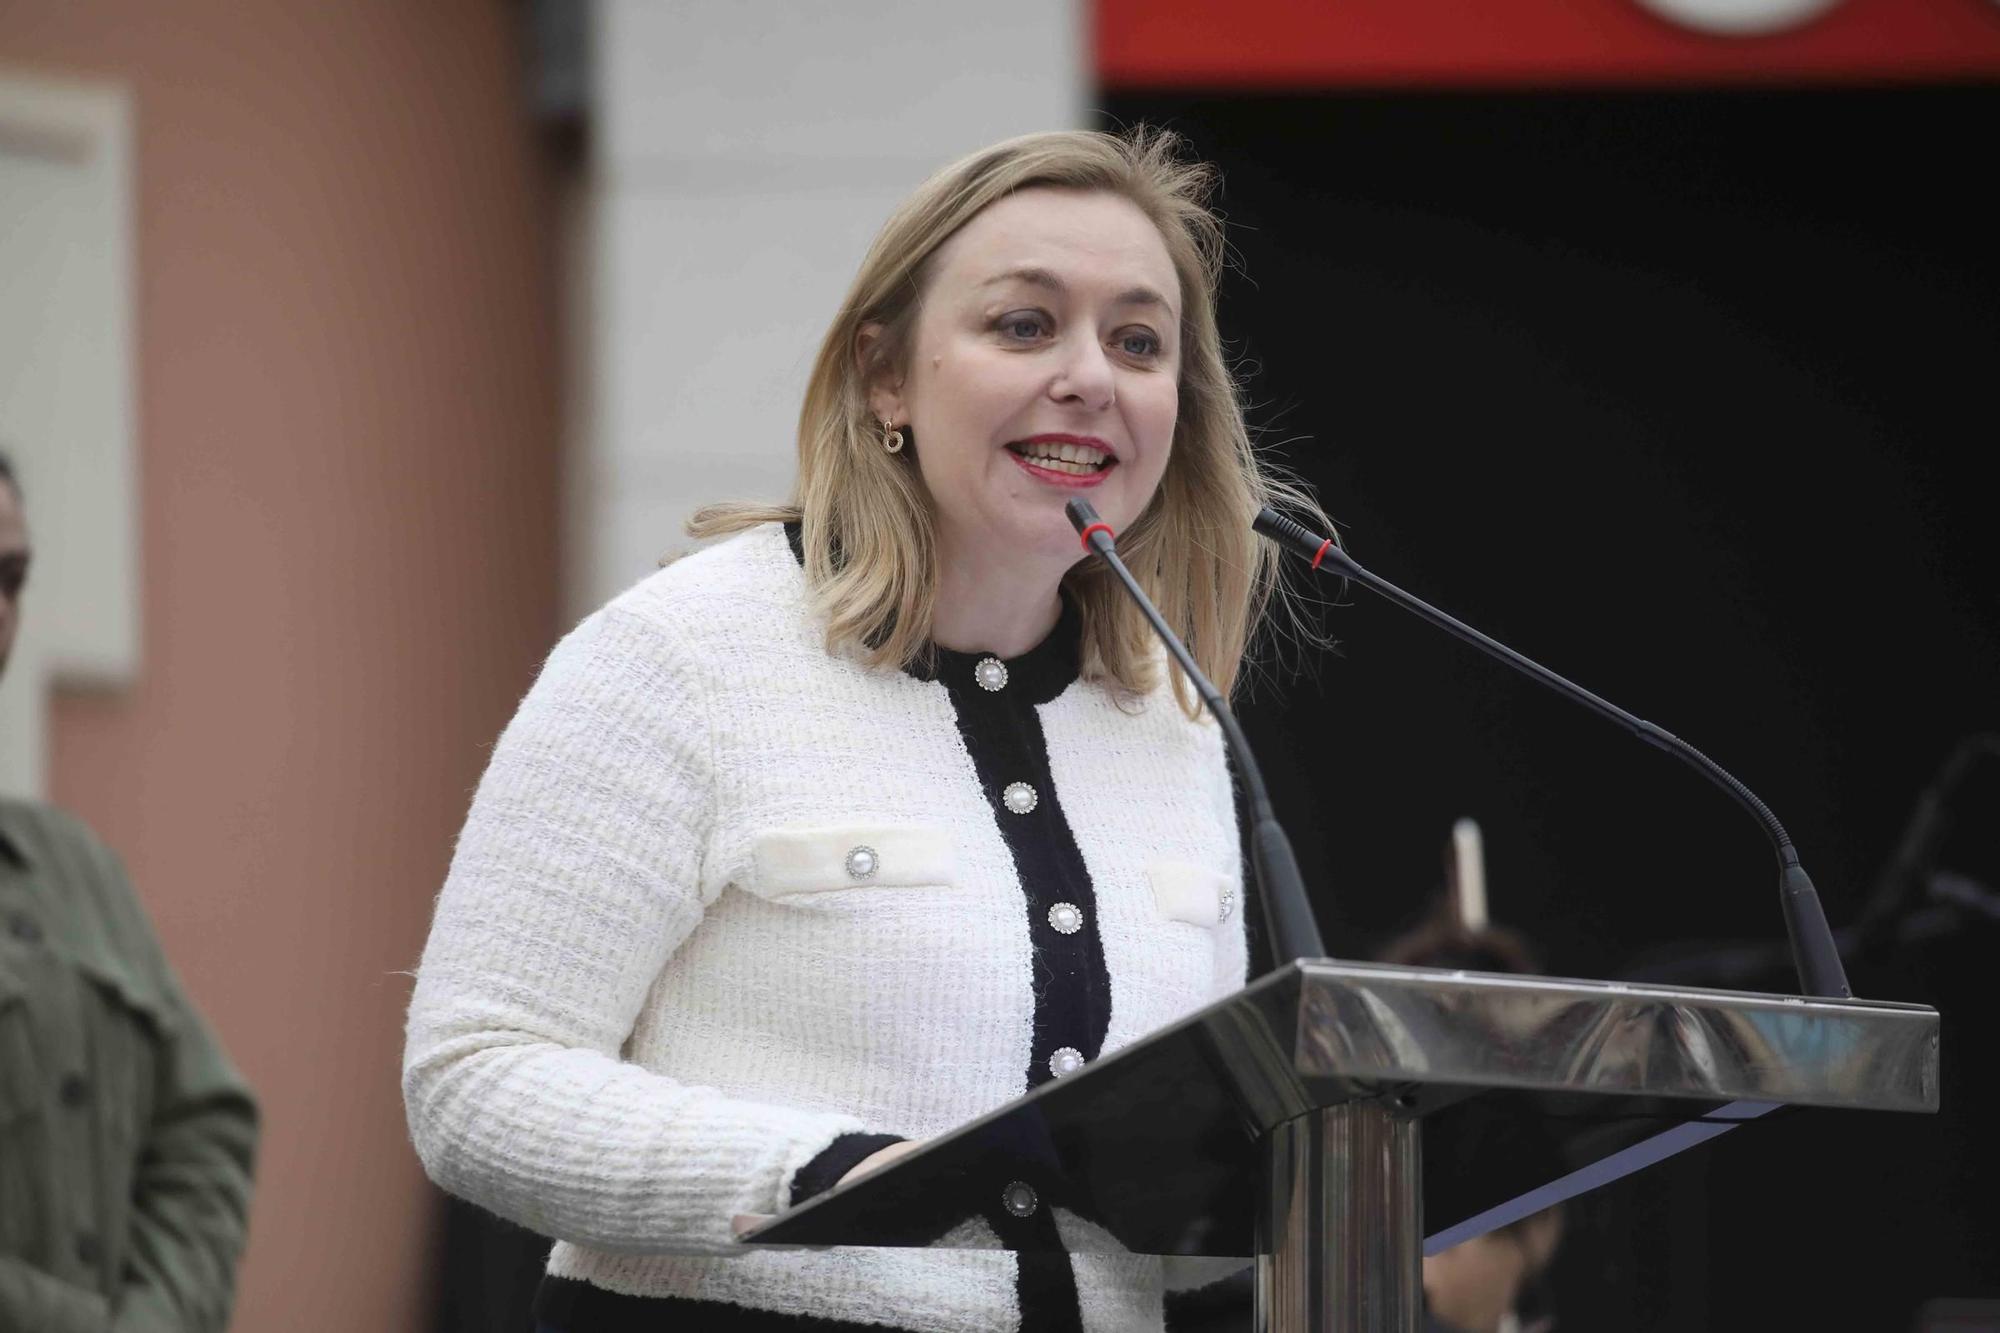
<point x="892" y="439"/>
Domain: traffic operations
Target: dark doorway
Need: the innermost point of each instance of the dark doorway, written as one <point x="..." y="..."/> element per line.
<point x="1688" y="395"/>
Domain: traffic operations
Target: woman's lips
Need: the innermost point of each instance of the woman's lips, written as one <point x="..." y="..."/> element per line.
<point x="1065" y="479"/>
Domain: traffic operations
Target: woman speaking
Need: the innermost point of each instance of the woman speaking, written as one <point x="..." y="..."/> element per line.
<point x="886" y="809"/>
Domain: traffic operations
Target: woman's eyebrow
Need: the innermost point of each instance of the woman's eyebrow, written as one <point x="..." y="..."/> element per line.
<point x="1041" y="277"/>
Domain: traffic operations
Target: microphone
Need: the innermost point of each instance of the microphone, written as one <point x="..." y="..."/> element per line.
<point x="1813" y="952"/>
<point x="1288" y="915"/>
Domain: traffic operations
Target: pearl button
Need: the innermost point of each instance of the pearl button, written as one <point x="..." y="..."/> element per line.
<point x="1066" y="1060"/>
<point x="1020" y="1199"/>
<point x="1228" y="903"/>
<point x="1019" y="797"/>
<point x="1066" y="918"/>
<point x="991" y="673"/>
<point x="861" y="863"/>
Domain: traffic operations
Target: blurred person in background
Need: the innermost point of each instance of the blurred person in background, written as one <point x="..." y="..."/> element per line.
<point x="1495" y="1283"/>
<point x="1491" y="1283"/>
<point x="126" y="1138"/>
<point x="884" y="810"/>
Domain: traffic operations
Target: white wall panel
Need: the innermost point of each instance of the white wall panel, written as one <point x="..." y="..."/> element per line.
<point x="728" y="295"/>
<point x="746" y="156"/>
<point x="66" y="397"/>
<point x="898" y="80"/>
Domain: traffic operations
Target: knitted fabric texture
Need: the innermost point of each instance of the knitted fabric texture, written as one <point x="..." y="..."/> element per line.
<point x="657" y="983"/>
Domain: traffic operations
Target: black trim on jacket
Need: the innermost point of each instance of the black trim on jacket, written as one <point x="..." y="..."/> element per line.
<point x="1002" y="731"/>
<point x="567" y="1305"/>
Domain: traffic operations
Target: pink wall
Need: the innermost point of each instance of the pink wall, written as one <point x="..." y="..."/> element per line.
<point x="347" y="413"/>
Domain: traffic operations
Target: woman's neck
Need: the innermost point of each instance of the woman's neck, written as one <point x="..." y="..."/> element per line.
<point x="988" y="605"/>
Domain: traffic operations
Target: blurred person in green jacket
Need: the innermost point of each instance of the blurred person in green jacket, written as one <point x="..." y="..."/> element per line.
<point x="126" y="1138"/>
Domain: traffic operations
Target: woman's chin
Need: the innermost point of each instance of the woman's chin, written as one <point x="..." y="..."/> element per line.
<point x="1032" y="526"/>
<point x="1037" y="535"/>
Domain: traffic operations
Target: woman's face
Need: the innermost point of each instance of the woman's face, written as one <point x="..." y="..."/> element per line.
<point x="1045" y="365"/>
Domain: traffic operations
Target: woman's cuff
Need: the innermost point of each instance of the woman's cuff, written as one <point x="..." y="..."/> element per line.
<point x="845" y="1153"/>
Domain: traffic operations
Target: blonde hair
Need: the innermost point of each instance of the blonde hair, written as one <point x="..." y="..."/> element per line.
<point x="867" y="517"/>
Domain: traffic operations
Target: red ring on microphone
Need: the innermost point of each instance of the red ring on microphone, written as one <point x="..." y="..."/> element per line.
<point x="1320" y="555"/>
<point x="1085" y="534"/>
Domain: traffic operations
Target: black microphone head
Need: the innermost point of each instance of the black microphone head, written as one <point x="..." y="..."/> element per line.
<point x="1081" y="515"/>
<point x="1287" y="532"/>
<point x="1296" y="536"/>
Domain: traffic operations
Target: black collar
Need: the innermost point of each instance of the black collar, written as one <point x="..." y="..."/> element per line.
<point x="1037" y="676"/>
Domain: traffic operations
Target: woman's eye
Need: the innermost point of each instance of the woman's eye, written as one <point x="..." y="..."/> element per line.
<point x="1024" y="327"/>
<point x="1139" y="344"/>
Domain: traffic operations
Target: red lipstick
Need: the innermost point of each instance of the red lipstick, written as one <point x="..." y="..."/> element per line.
<point x="1061" y="476"/>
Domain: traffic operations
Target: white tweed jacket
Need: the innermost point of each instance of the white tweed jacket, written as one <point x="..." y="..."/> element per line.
<point x="657" y="982"/>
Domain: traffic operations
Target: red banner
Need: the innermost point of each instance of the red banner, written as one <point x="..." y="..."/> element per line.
<point x="1314" y="44"/>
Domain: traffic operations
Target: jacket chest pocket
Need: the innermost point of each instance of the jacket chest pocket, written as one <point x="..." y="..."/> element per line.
<point x="1195" y="894"/>
<point x="129" y="1029"/>
<point x="830" y="867"/>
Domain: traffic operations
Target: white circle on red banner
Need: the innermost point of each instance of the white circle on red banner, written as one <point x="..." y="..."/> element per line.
<point x="1739" y="18"/>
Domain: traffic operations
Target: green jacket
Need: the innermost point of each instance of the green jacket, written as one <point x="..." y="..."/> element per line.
<point x="126" y="1138"/>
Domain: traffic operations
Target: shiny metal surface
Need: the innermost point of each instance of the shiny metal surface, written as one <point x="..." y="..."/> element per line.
<point x="1339" y="1234"/>
<point x="1381" y="1024"/>
<point x="1159" y="1141"/>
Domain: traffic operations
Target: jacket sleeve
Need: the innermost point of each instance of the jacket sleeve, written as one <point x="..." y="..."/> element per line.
<point x="845" y="1153"/>
<point x="575" y="879"/>
<point x="191" y="1194"/>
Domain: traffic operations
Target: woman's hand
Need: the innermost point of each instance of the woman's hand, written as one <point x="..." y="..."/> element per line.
<point x="880" y="1158"/>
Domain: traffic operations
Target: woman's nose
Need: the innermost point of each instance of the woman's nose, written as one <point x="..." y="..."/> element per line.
<point x="1085" y="376"/>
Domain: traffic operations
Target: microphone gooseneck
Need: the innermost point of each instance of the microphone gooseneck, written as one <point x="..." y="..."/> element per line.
<point x="1288" y="914"/>
<point x="1813" y="953"/>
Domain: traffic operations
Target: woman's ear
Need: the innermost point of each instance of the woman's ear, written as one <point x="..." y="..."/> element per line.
<point x="885" y="396"/>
